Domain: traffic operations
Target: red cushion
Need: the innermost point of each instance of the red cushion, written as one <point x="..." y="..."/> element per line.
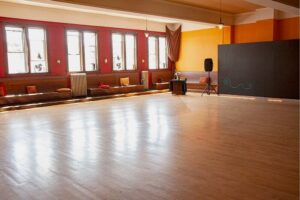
<point x="2" y="89"/>
<point x="103" y="86"/>
<point x="31" y="89"/>
<point x="2" y="92"/>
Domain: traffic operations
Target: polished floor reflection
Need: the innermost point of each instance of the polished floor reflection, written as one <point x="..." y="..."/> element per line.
<point x="152" y="147"/>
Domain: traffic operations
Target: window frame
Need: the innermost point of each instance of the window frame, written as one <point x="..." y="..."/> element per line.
<point x="123" y="35"/>
<point x="157" y="53"/>
<point x="81" y="49"/>
<point x="27" y="52"/>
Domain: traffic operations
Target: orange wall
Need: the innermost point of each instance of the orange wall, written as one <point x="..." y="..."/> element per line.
<point x="266" y="30"/>
<point x="288" y="28"/>
<point x="254" y="32"/>
<point x="201" y="44"/>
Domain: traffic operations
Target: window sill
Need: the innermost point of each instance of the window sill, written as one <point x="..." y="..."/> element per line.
<point x="165" y="69"/>
<point x="87" y="72"/>
<point x="28" y="74"/>
<point x="124" y="71"/>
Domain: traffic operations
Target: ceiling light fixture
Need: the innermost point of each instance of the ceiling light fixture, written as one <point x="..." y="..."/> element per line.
<point x="221" y="24"/>
<point x="146" y="32"/>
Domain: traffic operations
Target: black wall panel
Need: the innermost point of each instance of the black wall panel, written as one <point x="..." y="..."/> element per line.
<point x="267" y="69"/>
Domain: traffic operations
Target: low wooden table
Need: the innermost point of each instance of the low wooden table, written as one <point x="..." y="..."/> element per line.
<point x="178" y="87"/>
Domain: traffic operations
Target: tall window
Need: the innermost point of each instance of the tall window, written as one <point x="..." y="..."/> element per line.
<point x="124" y="51"/>
<point x="26" y="49"/>
<point x="82" y="51"/>
<point x="157" y="52"/>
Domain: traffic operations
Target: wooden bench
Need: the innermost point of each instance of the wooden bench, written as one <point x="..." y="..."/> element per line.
<point x="160" y="79"/>
<point x="193" y="79"/>
<point x="33" y="98"/>
<point x="113" y="80"/>
<point x="46" y="86"/>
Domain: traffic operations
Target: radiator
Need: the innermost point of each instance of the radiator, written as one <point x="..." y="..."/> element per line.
<point x="145" y="79"/>
<point x="78" y="84"/>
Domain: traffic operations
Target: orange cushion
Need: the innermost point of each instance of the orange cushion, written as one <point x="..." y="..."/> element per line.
<point x="124" y="81"/>
<point x="204" y="80"/>
<point x="31" y="89"/>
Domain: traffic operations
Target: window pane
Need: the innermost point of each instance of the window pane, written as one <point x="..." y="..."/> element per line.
<point x="37" y="34"/>
<point x="74" y="63"/>
<point x="73" y="42"/>
<point x="38" y="67"/>
<point x="15" y="50"/>
<point x="118" y="60"/>
<point x="74" y="57"/>
<point x="37" y="44"/>
<point x="14" y="39"/>
<point x="130" y="52"/>
<point x="152" y="58"/>
<point x="90" y="51"/>
<point x="162" y="53"/>
<point x="152" y="62"/>
<point x="16" y="63"/>
<point x="37" y="50"/>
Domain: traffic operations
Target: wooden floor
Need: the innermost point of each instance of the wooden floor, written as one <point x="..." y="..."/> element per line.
<point x="150" y="148"/>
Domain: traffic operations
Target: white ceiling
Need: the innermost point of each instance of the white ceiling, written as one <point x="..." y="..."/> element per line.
<point x="186" y="25"/>
<point x="229" y="6"/>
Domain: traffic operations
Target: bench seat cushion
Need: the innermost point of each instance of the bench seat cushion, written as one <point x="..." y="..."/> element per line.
<point x="162" y="86"/>
<point x="115" y="90"/>
<point x="196" y="86"/>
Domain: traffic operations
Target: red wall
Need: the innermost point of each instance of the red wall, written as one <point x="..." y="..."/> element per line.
<point x="2" y="73"/>
<point x="57" y="46"/>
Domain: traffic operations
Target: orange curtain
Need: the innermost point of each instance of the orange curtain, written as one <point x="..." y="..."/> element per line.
<point x="173" y="40"/>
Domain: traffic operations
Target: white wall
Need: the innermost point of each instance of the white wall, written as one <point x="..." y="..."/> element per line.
<point x="261" y="14"/>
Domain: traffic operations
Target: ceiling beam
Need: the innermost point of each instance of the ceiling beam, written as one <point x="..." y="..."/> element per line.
<point x="158" y="8"/>
<point x="294" y="3"/>
<point x="281" y="5"/>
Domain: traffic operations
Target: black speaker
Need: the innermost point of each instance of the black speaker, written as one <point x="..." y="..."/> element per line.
<point x="208" y="64"/>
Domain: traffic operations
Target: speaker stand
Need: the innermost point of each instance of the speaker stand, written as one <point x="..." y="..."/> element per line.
<point x="208" y="86"/>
